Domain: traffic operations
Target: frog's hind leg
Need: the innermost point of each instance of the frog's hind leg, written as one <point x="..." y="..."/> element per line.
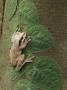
<point x="20" y="60"/>
<point x="21" y="64"/>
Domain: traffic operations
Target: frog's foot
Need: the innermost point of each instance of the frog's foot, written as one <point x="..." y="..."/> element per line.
<point x="28" y="39"/>
<point x="29" y="59"/>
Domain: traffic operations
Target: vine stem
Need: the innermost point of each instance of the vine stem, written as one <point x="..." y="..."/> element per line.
<point x="14" y="11"/>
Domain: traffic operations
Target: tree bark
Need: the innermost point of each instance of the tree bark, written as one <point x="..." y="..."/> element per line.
<point x="2" y="11"/>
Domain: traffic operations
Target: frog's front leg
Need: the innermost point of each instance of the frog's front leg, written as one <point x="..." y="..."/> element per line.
<point x="24" y="42"/>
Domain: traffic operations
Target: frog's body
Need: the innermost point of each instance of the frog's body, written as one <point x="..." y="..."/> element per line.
<point x="19" y="41"/>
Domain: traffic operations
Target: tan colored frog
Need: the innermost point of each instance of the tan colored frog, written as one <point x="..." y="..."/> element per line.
<point x="19" y="42"/>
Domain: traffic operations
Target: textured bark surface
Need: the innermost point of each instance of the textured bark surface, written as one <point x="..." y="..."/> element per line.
<point x="53" y="14"/>
<point x="1" y="11"/>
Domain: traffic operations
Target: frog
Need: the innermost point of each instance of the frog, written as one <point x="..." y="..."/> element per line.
<point x="19" y="42"/>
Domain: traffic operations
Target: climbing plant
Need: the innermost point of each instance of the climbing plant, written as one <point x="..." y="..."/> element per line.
<point x="43" y="73"/>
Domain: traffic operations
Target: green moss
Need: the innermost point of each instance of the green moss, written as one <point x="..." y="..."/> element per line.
<point x="44" y="73"/>
<point x="24" y="85"/>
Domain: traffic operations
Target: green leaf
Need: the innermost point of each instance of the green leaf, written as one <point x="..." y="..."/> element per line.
<point x="41" y="39"/>
<point x="11" y="7"/>
<point x="13" y="24"/>
<point x="45" y="73"/>
<point x="24" y="85"/>
<point x="12" y="28"/>
<point x="27" y="13"/>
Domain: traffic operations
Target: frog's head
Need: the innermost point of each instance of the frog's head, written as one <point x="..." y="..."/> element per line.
<point x="24" y="41"/>
<point x="20" y="39"/>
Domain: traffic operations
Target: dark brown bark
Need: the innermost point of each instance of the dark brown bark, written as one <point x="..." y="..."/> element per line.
<point x="4" y="1"/>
